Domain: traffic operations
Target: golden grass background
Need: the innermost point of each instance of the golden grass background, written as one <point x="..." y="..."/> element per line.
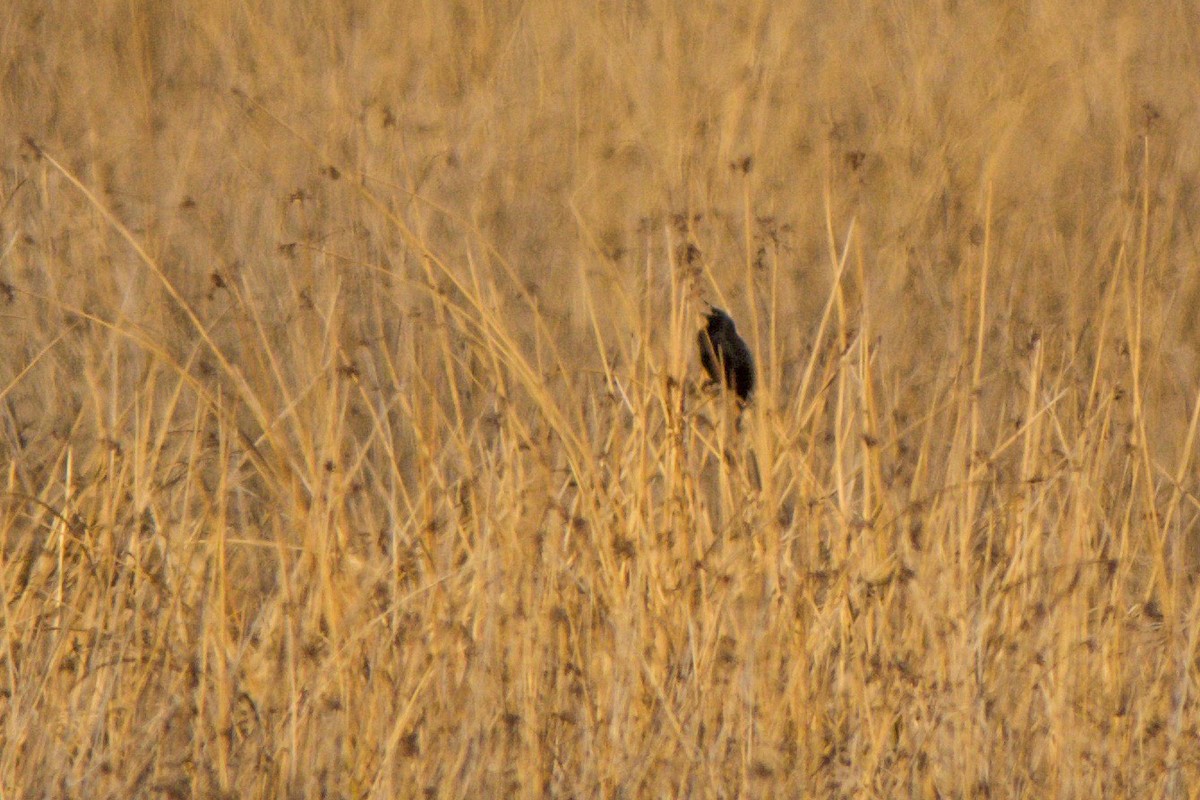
<point x="354" y="443"/>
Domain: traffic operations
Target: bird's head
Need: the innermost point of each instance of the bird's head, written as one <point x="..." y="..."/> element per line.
<point x="719" y="321"/>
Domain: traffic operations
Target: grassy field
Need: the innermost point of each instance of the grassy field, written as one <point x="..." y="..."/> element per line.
<point x="354" y="441"/>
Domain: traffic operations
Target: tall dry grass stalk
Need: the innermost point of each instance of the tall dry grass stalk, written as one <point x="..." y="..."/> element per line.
<point x="354" y="442"/>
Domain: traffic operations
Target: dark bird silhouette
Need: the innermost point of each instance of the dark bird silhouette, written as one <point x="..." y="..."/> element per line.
<point x="723" y="354"/>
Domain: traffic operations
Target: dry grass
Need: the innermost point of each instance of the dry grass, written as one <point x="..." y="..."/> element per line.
<point x="353" y="436"/>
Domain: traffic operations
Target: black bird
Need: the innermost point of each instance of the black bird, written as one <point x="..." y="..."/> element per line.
<point x="724" y="355"/>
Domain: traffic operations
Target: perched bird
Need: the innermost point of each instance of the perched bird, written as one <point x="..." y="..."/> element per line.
<point x="723" y="354"/>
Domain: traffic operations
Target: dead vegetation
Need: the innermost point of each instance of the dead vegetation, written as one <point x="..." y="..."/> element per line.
<point x="354" y="439"/>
